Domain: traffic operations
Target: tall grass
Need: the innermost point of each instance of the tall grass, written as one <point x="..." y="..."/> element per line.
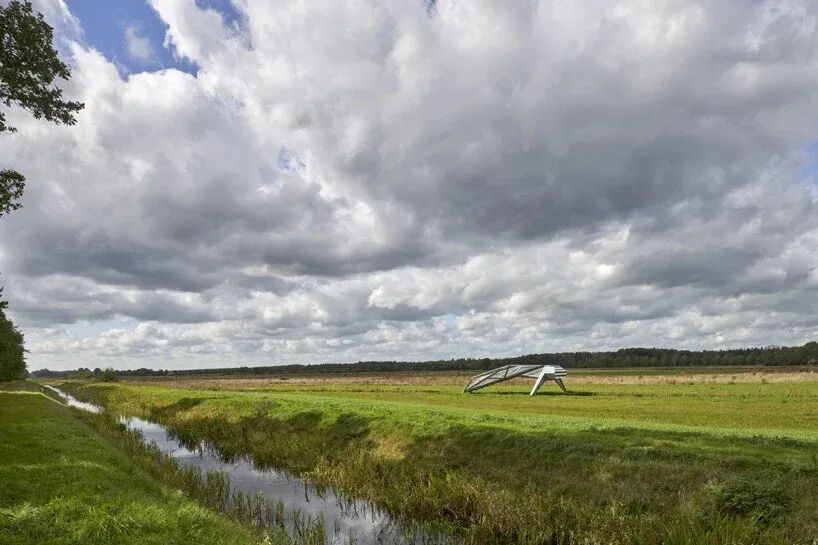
<point x="212" y="488"/>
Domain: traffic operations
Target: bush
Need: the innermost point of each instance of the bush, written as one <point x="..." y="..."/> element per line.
<point x="108" y="375"/>
<point x="757" y="495"/>
<point x="12" y="353"/>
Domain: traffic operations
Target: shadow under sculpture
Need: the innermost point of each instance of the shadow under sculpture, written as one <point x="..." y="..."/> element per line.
<point x="541" y="373"/>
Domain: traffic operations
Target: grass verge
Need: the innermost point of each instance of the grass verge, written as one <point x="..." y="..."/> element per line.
<point x="65" y="479"/>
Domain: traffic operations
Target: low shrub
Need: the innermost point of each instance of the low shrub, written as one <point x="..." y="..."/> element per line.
<point x="760" y="496"/>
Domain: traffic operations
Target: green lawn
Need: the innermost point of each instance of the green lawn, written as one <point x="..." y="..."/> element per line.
<point x="649" y="463"/>
<point x="775" y="410"/>
<point x="62" y="483"/>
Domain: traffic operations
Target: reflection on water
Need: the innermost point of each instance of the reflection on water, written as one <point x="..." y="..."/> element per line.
<point x="344" y="521"/>
<point x="71" y="401"/>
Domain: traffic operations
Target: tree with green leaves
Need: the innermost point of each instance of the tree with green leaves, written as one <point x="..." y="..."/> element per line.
<point x="29" y="64"/>
<point x="12" y="353"/>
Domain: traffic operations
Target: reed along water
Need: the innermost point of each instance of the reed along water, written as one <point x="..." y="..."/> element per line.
<point x="282" y="499"/>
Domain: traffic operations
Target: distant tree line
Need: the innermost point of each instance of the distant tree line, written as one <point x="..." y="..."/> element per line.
<point x="83" y="373"/>
<point x="625" y="358"/>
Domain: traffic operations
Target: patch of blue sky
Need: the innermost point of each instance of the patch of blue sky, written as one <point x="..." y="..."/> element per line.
<point x="87" y="330"/>
<point x="289" y="162"/>
<point x="129" y="33"/>
<point x="809" y="171"/>
<point x="449" y="319"/>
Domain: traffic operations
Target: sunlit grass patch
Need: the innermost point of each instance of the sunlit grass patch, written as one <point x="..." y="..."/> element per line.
<point x="63" y="483"/>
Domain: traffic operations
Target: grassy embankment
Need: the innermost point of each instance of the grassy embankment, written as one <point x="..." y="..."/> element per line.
<point x="691" y="462"/>
<point x="65" y="478"/>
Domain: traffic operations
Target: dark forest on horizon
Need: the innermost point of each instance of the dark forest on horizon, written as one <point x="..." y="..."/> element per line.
<point x="773" y="356"/>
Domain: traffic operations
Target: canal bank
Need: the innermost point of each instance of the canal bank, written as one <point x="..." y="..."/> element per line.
<point x="62" y="483"/>
<point x="274" y="499"/>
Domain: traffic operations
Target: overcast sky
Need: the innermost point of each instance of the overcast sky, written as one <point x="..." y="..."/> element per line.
<point x="308" y="181"/>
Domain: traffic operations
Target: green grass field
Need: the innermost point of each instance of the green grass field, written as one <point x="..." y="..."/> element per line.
<point x="691" y="462"/>
<point x="61" y="482"/>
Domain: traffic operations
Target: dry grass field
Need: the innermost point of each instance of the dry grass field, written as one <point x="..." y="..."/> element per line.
<point x="752" y="375"/>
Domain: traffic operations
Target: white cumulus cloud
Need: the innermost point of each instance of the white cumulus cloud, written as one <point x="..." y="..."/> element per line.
<point x="138" y="47"/>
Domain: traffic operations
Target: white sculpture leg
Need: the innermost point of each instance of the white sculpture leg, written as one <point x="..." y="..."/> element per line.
<point x="547" y="372"/>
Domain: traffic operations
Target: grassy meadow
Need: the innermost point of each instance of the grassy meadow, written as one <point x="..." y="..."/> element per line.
<point x="622" y="458"/>
<point x="71" y="478"/>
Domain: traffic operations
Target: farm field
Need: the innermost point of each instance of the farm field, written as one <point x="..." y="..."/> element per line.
<point x="748" y="403"/>
<point x="644" y="375"/>
<point x="61" y="482"/>
<point x="622" y="458"/>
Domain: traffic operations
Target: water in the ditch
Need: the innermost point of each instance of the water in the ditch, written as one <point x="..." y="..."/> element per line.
<point x="71" y="401"/>
<point x="345" y="521"/>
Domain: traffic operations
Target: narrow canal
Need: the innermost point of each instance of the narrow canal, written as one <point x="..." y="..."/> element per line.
<point x="303" y="507"/>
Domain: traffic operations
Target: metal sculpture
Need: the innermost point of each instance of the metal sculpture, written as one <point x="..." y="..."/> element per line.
<point x="508" y="372"/>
